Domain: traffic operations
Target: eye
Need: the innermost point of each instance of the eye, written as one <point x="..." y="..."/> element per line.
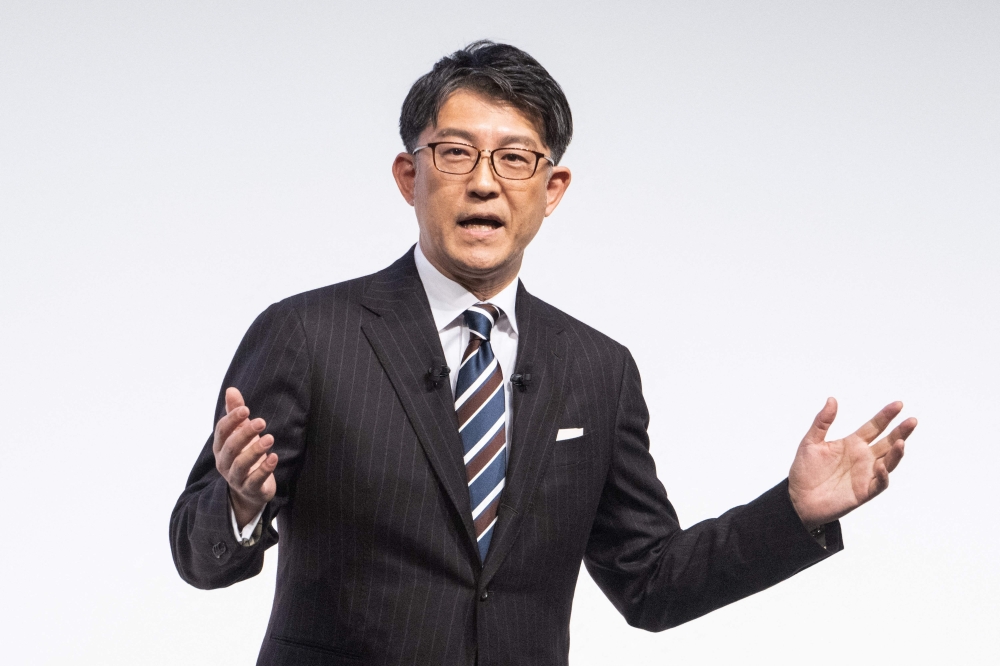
<point x="454" y="150"/>
<point x="515" y="158"/>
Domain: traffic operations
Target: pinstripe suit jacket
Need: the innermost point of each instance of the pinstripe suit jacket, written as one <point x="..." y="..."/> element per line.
<point x="378" y="561"/>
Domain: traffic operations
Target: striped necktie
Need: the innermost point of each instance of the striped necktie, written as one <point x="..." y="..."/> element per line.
<point x="482" y="411"/>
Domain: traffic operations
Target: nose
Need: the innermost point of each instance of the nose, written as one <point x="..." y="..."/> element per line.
<point x="483" y="183"/>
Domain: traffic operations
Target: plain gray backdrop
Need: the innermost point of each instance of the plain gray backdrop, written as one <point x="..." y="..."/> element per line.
<point x="772" y="202"/>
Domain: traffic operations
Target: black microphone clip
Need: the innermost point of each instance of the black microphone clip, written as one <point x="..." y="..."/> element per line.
<point x="437" y="375"/>
<point x="521" y="380"/>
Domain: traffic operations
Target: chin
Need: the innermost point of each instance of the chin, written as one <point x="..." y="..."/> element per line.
<point x="479" y="262"/>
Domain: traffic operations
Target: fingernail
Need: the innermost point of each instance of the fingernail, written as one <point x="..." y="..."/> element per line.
<point x="243" y="412"/>
<point x="258" y="424"/>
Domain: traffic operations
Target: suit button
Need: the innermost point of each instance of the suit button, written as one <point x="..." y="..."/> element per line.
<point x="484" y="595"/>
<point x="219" y="549"/>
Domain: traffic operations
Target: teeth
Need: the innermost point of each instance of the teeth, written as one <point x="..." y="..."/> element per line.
<point x="492" y="224"/>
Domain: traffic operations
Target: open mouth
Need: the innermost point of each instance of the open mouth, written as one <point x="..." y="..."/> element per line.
<point x="488" y="222"/>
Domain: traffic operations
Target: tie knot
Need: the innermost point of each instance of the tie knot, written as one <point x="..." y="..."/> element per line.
<point x="480" y="319"/>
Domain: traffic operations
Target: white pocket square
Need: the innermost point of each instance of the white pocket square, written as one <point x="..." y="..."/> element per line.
<point x="568" y="433"/>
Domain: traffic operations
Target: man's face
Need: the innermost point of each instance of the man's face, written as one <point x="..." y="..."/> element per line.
<point x="474" y="227"/>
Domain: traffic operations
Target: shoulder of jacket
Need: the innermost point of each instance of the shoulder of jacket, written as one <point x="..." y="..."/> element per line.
<point x="580" y="333"/>
<point x="348" y="293"/>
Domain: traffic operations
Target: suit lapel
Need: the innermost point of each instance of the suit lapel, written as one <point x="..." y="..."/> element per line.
<point x="407" y="344"/>
<point x="541" y="351"/>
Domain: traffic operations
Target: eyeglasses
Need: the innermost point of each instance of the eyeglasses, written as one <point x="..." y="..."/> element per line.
<point x="461" y="158"/>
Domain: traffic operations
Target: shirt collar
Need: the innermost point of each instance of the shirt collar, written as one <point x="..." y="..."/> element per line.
<point x="448" y="299"/>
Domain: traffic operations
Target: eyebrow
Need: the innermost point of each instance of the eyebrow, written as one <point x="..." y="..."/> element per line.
<point x="509" y="140"/>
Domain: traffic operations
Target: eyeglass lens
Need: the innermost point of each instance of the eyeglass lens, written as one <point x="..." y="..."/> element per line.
<point x="458" y="158"/>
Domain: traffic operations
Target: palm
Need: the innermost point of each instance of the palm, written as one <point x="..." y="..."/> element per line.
<point x="829" y="479"/>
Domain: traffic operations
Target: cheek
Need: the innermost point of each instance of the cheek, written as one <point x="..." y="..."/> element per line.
<point x="529" y="210"/>
<point x="430" y="205"/>
<point x="436" y="197"/>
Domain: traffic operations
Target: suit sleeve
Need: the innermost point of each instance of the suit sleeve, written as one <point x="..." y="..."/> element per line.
<point x="271" y="369"/>
<point x="658" y="575"/>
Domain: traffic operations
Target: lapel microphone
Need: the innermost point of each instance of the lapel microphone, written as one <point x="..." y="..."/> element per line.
<point x="522" y="380"/>
<point x="436" y="375"/>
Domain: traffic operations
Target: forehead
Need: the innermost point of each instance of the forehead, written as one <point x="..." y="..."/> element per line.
<point x="475" y="118"/>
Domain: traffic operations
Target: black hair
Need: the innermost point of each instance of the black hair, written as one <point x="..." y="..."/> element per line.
<point x="498" y="71"/>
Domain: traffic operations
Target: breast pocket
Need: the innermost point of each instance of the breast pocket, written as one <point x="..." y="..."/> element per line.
<point x="572" y="451"/>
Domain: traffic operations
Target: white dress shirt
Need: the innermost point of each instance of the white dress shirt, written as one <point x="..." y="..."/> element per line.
<point x="449" y="300"/>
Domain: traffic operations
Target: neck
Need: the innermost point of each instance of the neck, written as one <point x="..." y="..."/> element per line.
<point x="483" y="286"/>
<point x="486" y="293"/>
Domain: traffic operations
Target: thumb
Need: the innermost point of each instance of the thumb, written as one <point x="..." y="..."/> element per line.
<point x="821" y="424"/>
<point x="234" y="399"/>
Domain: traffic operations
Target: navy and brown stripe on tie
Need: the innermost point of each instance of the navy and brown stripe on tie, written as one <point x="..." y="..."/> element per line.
<point x="481" y="409"/>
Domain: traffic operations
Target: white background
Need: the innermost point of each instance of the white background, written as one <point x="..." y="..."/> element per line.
<point x="772" y="203"/>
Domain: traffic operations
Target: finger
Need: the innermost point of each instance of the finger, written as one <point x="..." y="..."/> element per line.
<point x="255" y="482"/>
<point x="879" y="422"/>
<point x="227" y="425"/>
<point x="894" y="455"/>
<point x="250" y="455"/>
<point x="821" y="424"/>
<point x="236" y="442"/>
<point x="257" y="464"/>
<point x="234" y="399"/>
<point x="881" y="480"/>
<point x="242" y="437"/>
<point x="902" y="431"/>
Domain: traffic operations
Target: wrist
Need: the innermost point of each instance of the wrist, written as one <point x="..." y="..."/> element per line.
<point x="244" y="510"/>
<point x="810" y="522"/>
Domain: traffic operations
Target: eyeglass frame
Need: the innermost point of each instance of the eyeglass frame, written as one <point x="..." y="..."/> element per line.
<point x="479" y="155"/>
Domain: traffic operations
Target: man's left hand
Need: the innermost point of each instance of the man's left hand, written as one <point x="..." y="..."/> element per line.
<point x="830" y="479"/>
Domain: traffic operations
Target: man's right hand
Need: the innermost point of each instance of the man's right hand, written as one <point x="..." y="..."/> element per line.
<point x="242" y="459"/>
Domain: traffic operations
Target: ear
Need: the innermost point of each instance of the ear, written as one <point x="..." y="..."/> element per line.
<point x="556" y="187"/>
<point x="405" y="172"/>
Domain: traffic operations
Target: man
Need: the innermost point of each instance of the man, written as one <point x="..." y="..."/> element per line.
<point x="442" y="450"/>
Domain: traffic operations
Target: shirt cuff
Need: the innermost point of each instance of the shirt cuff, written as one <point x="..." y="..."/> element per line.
<point x="251" y="532"/>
